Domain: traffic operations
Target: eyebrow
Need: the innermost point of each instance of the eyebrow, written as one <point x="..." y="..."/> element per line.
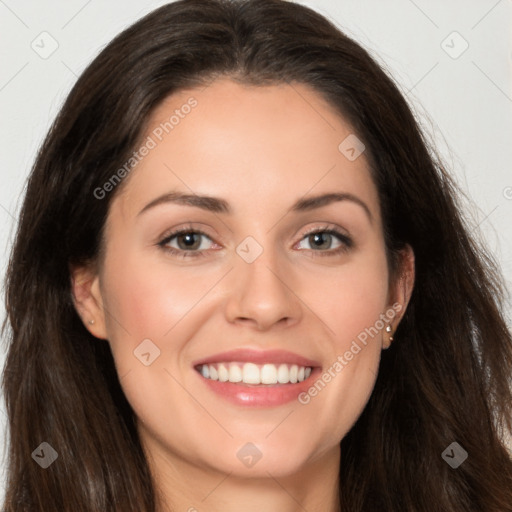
<point x="218" y="205"/>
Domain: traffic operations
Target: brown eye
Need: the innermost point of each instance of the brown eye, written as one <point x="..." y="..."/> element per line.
<point x="320" y="240"/>
<point x="327" y="242"/>
<point x="189" y="241"/>
<point x="185" y="243"/>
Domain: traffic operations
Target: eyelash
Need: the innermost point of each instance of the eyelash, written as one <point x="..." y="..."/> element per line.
<point x="346" y="242"/>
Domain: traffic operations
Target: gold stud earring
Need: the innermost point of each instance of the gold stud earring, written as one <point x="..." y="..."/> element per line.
<point x="389" y="330"/>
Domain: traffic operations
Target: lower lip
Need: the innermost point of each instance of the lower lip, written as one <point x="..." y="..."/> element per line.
<point x="259" y="396"/>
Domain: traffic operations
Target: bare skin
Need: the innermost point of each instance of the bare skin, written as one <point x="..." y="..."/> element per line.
<point x="260" y="149"/>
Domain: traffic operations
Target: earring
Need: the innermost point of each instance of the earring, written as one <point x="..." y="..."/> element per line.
<point x="91" y="321"/>
<point x="389" y="330"/>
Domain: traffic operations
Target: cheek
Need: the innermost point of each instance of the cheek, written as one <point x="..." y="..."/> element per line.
<point x="145" y="299"/>
<point x="152" y="306"/>
<point x="351" y="298"/>
<point x="143" y="303"/>
<point x="353" y="306"/>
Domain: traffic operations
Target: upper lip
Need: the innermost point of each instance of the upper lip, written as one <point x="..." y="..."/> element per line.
<point x="258" y="357"/>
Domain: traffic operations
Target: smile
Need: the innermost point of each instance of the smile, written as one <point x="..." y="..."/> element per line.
<point x="254" y="374"/>
<point x="257" y="378"/>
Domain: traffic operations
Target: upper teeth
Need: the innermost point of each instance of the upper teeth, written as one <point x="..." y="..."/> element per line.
<point x="250" y="373"/>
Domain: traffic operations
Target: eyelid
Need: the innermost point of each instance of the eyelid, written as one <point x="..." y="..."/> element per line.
<point x="326" y="227"/>
<point x="187" y="228"/>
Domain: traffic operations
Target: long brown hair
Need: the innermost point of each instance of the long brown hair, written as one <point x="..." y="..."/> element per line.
<point x="445" y="379"/>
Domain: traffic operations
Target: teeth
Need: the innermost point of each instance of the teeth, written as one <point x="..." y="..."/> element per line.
<point x="235" y="373"/>
<point x="223" y="373"/>
<point x="269" y="374"/>
<point x="283" y="374"/>
<point x="294" y="370"/>
<point x="250" y="373"/>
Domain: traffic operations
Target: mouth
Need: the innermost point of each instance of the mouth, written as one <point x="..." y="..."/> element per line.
<point x="268" y="374"/>
<point x="257" y="378"/>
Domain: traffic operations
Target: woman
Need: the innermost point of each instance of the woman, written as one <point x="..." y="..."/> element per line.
<point x="241" y="280"/>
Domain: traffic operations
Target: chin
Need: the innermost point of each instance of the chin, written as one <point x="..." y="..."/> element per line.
<point x="259" y="458"/>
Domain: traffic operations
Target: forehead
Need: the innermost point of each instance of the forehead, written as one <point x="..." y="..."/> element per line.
<point x="258" y="146"/>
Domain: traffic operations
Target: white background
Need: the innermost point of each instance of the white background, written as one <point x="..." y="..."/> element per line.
<point x="465" y="103"/>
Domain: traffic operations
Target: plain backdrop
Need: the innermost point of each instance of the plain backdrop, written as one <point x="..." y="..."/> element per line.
<point x="452" y="60"/>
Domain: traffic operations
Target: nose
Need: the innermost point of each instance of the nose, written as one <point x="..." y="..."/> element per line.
<point x="263" y="294"/>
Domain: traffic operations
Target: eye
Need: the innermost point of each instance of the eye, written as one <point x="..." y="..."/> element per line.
<point x="185" y="242"/>
<point x="321" y="242"/>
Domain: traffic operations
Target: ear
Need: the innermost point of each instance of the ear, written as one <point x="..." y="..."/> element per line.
<point x="401" y="290"/>
<point x="87" y="299"/>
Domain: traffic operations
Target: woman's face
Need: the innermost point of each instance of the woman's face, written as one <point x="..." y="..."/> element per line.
<point x="248" y="290"/>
